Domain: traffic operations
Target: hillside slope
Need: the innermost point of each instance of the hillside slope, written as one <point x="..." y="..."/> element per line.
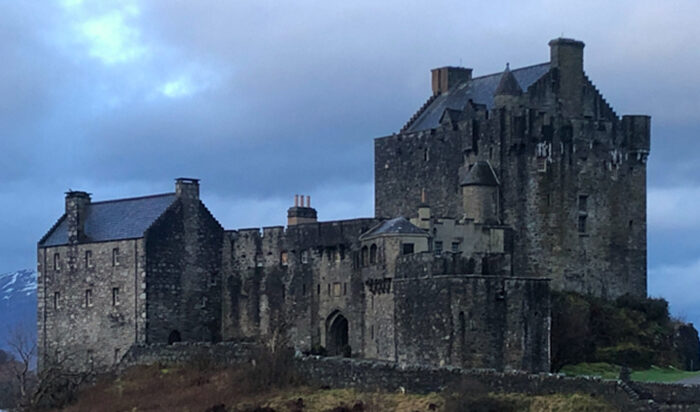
<point x="17" y="303"/>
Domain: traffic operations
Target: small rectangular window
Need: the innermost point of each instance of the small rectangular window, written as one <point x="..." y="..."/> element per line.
<point x="329" y="289"/>
<point x="407" y="248"/>
<point x="583" y="203"/>
<point x="56" y="300"/>
<point x="303" y="289"/>
<point x="304" y="256"/>
<point x="88" y="298"/>
<point x="56" y="261"/>
<point x="115" y="256"/>
<point x="345" y="289"/>
<point x="438" y="248"/>
<point x="284" y="258"/>
<point x="582" y="224"/>
<point x="88" y="258"/>
<point x="115" y="296"/>
<point x="455" y="247"/>
<point x="116" y="355"/>
<point x="337" y="291"/>
<point x="318" y="289"/>
<point x="372" y="332"/>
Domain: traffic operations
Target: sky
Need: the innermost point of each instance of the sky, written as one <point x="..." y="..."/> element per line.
<point x="265" y="99"/>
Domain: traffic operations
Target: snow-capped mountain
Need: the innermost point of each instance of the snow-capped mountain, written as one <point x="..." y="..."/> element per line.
<point x="17" y="303"/>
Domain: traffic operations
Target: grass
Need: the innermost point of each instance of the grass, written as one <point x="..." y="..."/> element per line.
<point x="189" y="389"/>
<point x="609" y="371"/>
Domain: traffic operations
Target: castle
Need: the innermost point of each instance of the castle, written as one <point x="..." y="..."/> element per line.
<point x="498" y="188"/>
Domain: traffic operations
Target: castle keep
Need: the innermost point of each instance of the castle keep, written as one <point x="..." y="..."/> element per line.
<point x="498" y="188"/>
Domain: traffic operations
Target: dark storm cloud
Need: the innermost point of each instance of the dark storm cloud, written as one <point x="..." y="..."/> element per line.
<point x="266" y="99"/>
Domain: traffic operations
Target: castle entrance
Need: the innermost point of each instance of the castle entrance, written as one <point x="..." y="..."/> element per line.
<point x="337" y="335"/>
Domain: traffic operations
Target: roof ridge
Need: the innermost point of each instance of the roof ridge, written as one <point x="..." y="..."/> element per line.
<point x="132" y="198"/>
<point x="512" y="70"/>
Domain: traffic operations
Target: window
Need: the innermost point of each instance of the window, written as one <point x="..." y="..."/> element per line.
<point x="372" y="331"/>
<point x="304" y="256"/>
<point x="88" y="258"/>
<point x="336" y="289"/>
<point x="303" y="289"/>
<point x="363" y="257"/>
<point x="345" y="289"/>
<point x="438" y="248"/>
<point x="88" y="298"/>
<point x="318" y="289"/>
<point x="582" y="224"/>
<point x="116" y="355"/>
<point x="214" y="278"/>
<point x="455" y="247"/>
<point x="115" y="296"/>
<point x="284" y="258"/>
<point x="583" y="203"/>
<point x="373" y="254"/>
<point x="329" y="289"/>
<point x="582" y="213"/>
<point x="204" y="302"/>
<point x="56" y="262"/>
<point x="115" y="256"/>
<point x="407" y="248"/>
<point x="56" y="300"/>
<point x="426" y="155"/>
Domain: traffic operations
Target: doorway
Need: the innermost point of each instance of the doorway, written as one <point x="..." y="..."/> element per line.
<point x="337" y="343"/>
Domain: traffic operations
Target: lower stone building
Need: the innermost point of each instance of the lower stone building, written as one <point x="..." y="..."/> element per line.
<point x="127" y="271"/>
<point x="161" y="269"/>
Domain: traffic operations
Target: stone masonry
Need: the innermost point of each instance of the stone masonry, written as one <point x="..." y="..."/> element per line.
<point x="498" y="186"/>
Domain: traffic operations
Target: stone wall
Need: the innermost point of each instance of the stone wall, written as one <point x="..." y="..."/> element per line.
<point x="303" y="276"/>
<point x="90" y="302"/>
<point x="446" y="318"/>
<point x="222" y="353"/>
<point x="184" y="250"/>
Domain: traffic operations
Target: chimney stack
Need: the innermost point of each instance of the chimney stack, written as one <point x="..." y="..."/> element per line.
<point x="76" y="212"/>
<point x="443" y="78"/>
<point x="300" y="212"/>
<point x="187" y="188"/>
<point x="566" y="59"/>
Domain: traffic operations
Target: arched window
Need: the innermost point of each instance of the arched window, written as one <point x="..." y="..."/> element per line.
<point x="363" y="256"/>
<point x="373" y="254"/>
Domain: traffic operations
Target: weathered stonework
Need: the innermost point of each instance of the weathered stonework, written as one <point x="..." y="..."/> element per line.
<point x="495" y="186"/>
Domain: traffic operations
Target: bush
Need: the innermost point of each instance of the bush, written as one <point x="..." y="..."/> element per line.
<point x="627" y="354"/>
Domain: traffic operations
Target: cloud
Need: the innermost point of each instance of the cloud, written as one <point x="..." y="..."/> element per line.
<point x="678" y="283"/>
<point x="673" y="208"/>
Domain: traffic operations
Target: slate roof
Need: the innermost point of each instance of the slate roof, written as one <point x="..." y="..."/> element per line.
<point x="479" y="89"/>
<point x="481" y="174"/>
<point x="114" y="219"/>
<point x="397" y="225"/>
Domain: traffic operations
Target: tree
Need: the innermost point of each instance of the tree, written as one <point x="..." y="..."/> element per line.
<point x="22" y="343"/>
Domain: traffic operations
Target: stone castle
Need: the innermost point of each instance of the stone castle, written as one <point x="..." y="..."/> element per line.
<point x="498" y="188"/>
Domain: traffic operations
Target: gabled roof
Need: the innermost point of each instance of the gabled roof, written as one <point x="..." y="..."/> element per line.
<point x="481" y="174"/>
<point x="395" y="226"/>
<point x="114" y="219"/>
<point x="479" y="90"/>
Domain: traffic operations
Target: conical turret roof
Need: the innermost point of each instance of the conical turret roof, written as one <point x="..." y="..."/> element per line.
<point x="481" y="174"/>
<point x="508" y="84"/>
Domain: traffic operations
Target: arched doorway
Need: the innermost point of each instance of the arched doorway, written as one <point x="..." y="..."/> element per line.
<point x="174" y="337"/>
<point x="337" y="343"/>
